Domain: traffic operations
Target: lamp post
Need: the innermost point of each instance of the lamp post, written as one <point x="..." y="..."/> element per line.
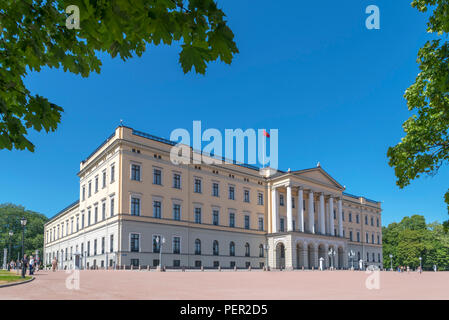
<point x="23" y="222"/>
<point x="420" y="263"/>
<point x="160" y="241"/>
<point x="266" y="247"/>
<point x="351" y="255"/>
<point x="9" y="252"/>
<point x="331" y="254"/>
<point x="391" y="262"/>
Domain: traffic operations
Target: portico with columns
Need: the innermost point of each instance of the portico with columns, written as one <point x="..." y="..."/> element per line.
<point x="305" y="221"/>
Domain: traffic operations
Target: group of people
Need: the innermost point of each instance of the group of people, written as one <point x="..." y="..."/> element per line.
<point x="31" y="263"/>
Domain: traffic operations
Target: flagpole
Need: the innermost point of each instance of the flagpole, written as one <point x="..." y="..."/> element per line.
<point x="263" y="155"/>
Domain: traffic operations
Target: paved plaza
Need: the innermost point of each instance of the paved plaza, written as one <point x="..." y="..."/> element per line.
<point x="233" y="285"/>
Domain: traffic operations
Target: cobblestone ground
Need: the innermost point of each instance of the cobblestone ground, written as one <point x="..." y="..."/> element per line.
<point x="233" y="285"/>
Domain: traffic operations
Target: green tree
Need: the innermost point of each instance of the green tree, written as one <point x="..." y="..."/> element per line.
<point x="33" y="35"/>
<point x="425" y="147"/>
<point x="10" y="216"/>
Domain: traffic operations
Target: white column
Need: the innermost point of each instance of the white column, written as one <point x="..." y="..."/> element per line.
<point x="274" y="210"/>
<point x="340" y="218"/>
<point x="331" y="215"/>
<point x="311" y="213"/>
<point x="321" y="225"/>
<point x="300" y="210"/>
<point x="289" y="209"/>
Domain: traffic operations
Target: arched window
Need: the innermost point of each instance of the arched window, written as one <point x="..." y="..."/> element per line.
<point x="232" y="249"/>
<point x="261" y="253"/>
<point x="215" y="248"/>
<point x="247" y="250"/>
<point x="197" y="246"/>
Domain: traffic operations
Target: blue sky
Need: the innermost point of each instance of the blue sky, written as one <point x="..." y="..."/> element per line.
<point x="311" y="69"/>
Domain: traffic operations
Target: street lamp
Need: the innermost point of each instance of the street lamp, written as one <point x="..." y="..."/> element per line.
<point x="23" y="222"/>
<point x="420" y="263"/>
<point x="391" y="262"/>
<point x="351" y="255"/>
<point x="266" y="247"/>
<point x="9" y="252"/>
<point x="331" y="254"/>
<point x="160" y="242"/>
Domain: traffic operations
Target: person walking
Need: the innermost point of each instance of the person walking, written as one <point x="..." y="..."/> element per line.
<point x="54" y="264"/>
<point x="24" y="265"/>
<point x="31" y="264"/>
<point x="12" y="265"/>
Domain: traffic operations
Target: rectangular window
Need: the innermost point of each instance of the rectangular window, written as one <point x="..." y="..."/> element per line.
<point x="135" y="262"/>
<point x="357" y="218"/>
<point x="372" y="221"/>
<point x="83" y="193"/>
<point x="111" y="243"/>
<point x="89" y="189"/>
<point x="135" y="172"/>
<point x="135" y="242"/>
<point x="156" y="244"/>
<point x="135" y="206"/>
<point x="215" y="189"/>
<point x="377" y="221"/>
<point x="282" y="224"/>
<point x="103" y="210"/>
<point x="95" y="214"/>
<point x="88" y="248"/>
<point x="366" y="220"/>
<point x="176" y="181"/>
<point x="103" y="244"/>
<point x="197" y="186"/>
<point x="176" y="211"/>
<point x="157" y="176"/>
<point x="112" y="207"/>
<point x="231" y="193"/>
<point x="215" y="217"/>
<point x="176" y="263"/>
<point x="378" y="239"/>
<point x="349" y="217"/>
<point x="157" y="212"/>
<point x="246" y="196"/>
<point x="176" y="245"/>
<point x="260" y="198"/>
<point x="197" y="215"/>
<point x="260" y="223"/>
<point x="96" y="184"/>
<point x="281" y="199"/>
<point x="232" y="220"/>
<point x="350" y="235"/>
<point x="246" y="222"/>
<point x="82" y="221"/>
<point x="104" y="179"/>
<point x="366" y="237"/>
<point x="358" y="236"/>
<point x="112" y="173"/>
<point x="88" y="217"/>
<point x="95" y="247"/>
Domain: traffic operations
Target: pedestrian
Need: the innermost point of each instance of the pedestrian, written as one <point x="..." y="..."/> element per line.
<point x="31" y="265"/>
<point x="435" y="268"/>
<point x="420" y="269"/>
<point x="24" y="265"/>
<point x="54" y="264"/>
<point x="408" y="269"/>
<point x="12" y="265"/>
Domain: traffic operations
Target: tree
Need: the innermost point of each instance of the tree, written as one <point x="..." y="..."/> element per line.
<point x="425" y="147"/>
<point x="33" y="34"/>
<point x="10" y="216"/>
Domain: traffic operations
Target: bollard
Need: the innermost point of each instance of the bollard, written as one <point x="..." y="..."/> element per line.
<point x="302" y="268"/>
<point x="139" y="267"/>
<point x="219" y="268"/>
<point x="235" y="268"/>
<point x="148" y="267"/>
<point x="202" y="268"/>
<point x="131" y="267"/>
<point x="249" y="268"/>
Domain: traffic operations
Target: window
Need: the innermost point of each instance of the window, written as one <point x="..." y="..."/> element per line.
<point x="350" y="235"/>
<point x="293" y="202"/>
<point x="156" y="244"/>
<point x="112" y="173"/>
<point x="197" y="186"/>
<point x="135" y="206"/>
<point x="215" y="217"/>
<point x="260" y="223"/>
<point x="215" y="248"/>
<point x="378" y="257"/>
<point x="247" y="250"/>
<point x="197" y="215"/>
<point x="89" y="189"/>
<point x="372" y="221"/>
<point x="349" y="217"/>
<point x="367" y="257"/>
<point x="103" y="210"/>
<point x="231" y="193"/>
<point x="176" y="212"/>
<point x="366" y="220"/>
<point x="112" y="207"/>
<point x="96" y="184"/>
<point x="343" y="215"/>
<point x="176" y="181"/>
<point x="157" y="176"/>
<point x="246" y="196"/>
<point x="261" y="251"/>
<point x="176" y="263"/>
<point x="104" y="179"/>
<point x="281" y="199"/>
<point x="111" y="243"/>
<point x="95" y="247"/>
<point x="378" y="239"/>
<point x="176" y="245"/>
<point x="157" y="209"/>
<point x="88" y="217"/>
<point x="82" y="221"/>
<point x="232" y="220"/>
<point x="232" y="249"/>
<point x="366" y="238"/>
<point x="372" y="238"/>
<point x="357" y="218"/>
<point x="260" y="198"/>
<point x="135" y="172"/>
<point x="83" y="193"/>
<point x="215" y="190"/>
<point x="77" y="224"/>
<point x="216" y="264"/>
<point x="377" y="220"/>
<point x="197" y="263"/>
<point x="88" y="248"/>
<point x="197" y="246"/>
<point x="135" y="262"/>
<point x="95" y="214"/>
<point x="358" y="237"/>
<point x="282" y="225"/>
<point x="232" y="264"/>
<point x="103" y="244"/>
<point x="246" y="222"/>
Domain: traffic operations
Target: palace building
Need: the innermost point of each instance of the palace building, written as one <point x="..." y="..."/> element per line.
<point x="138" y="208"/>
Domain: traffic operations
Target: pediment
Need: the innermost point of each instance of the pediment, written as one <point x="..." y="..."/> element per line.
<point x="319" y="175"/>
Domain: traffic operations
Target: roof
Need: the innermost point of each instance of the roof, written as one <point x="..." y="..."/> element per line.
<point x="75" y="203"/>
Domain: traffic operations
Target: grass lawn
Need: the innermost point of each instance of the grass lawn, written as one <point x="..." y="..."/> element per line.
<point x="9" y="277"/>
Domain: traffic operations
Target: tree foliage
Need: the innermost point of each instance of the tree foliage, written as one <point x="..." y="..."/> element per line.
<point x="33" y="35"/>
<point x="425" y="147"/>
<point x="10" y="216"/>
<point x="413" y="238"/>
